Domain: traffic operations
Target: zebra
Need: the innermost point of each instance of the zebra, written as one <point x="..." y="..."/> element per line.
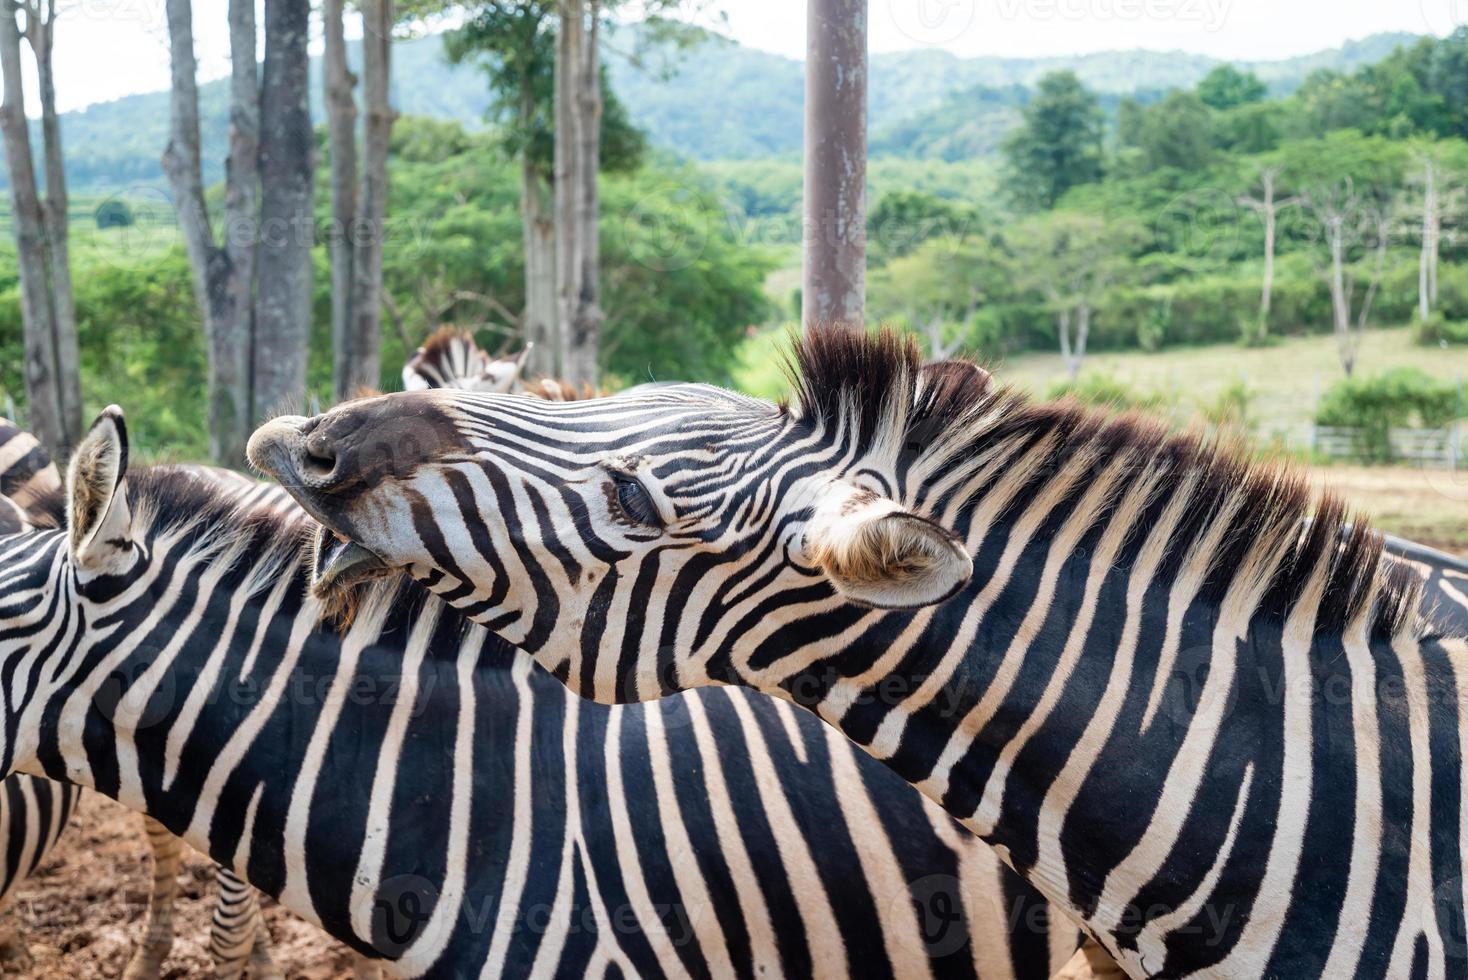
<point x="451" y="359"/>
<point x="1444" y="583"/>
<point x="397" y="775"/>
<point x="1224" y="744"/>
<point x="34" y="811"/>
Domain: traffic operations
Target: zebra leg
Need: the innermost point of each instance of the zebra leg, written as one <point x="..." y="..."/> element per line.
<point x="1090" y="962"/>
<point x="147" y="959"/>
<point x="237" y="937"/>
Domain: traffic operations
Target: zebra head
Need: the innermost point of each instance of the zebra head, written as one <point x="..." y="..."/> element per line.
<point x="627" y="541"/>
<point x="57" y="585"/>
<point x="451" y="359"/>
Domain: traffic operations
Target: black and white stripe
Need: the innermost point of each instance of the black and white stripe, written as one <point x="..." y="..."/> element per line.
<point x="1220" y="737"/>
<point x="435" y="800"/>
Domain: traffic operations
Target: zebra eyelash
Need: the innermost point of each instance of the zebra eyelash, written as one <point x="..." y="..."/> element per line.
<point x="631" y="501"/>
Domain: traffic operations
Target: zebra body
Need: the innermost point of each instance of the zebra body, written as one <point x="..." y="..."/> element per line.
<point x="1226" y="744"/>
<point x="431" y="798"/>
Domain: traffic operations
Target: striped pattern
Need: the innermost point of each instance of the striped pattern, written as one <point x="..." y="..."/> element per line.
<point x="1226" y="744"/>
<point x="451" y="359"/>
<point x="1444" y="580"/>
<point x="26" y="473"/>
<point x="405" y="783"/>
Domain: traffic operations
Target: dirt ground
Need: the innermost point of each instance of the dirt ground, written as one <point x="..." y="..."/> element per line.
<point x="82" y="911"/>
<point x="1426" y="506"/>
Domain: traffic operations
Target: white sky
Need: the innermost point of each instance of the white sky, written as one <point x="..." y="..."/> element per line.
<point x="109" y="48"/>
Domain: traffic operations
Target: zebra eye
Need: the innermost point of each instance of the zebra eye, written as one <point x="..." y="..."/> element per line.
<point x="633" y="499"/>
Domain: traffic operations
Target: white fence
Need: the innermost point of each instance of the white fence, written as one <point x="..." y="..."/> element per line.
<point x="1445" y="448"/>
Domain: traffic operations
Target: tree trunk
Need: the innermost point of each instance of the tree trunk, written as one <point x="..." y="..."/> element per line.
<point x="835" y="162"/>
<point x="1266" y="298"/>
<point x="583" y="347"/>
<point x="1083" y="334"/>
<point x="1425" y="261"/>
<point x="1067" y="354"/>
<point x="223" y="275"/>
<point x="283" y="303"/>
<point x="41" y="28"/>
<point x="538" y="323"/>
<point x="568" y="262"/>
<point x="366" y="303"/>
<point x="42" y="371"/>
<point x="578" y="113"/>
<point x="1340" y="301"/>
<point x="341" y="124"/>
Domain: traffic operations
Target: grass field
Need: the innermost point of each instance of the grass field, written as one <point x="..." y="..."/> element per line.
<point x="1284" y="380"/>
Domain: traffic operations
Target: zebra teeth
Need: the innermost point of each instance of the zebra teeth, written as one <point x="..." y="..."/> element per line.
<point x="341" y="564"/>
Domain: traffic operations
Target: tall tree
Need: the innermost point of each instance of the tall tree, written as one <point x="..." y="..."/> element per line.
<point x="1354" y="224"/>
<point x="834" y="289"/>
<point x="44" y="371"/>
<point x="1431" y="234"/>
<point x="378" y="19"/>
<point x="1072" y="259"/>
<point x="1225" y="87"/>
<point x="578" y="114"/>
<point x="223" y="266"/>
<point x="283" y="294"/>
<point x="339" y="85"/>
<point x="40" y="32"/>
<point x="1058" y="146"/>
<point x="1176" y="132"/>
<point x="1267" y="206"/>
<point x="359" y="216"/>
<point x="514" y="42"/>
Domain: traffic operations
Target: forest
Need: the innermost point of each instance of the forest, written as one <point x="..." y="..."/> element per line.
<point x="1045" y="213"/>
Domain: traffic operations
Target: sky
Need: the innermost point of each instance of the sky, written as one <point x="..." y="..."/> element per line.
<point x="109" y="48"/>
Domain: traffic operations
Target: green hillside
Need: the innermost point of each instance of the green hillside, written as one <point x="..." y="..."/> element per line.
<point x="720" y="101"/>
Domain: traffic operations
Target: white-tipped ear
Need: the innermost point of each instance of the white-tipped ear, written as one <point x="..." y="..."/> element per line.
<point x="97" y="511"/>
<point x="879" y="554"/>
<point x="412" y="380"/>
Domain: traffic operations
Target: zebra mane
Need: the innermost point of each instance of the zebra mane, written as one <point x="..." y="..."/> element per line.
<point x="942" y="427"/>
<point x="274" y="543"/>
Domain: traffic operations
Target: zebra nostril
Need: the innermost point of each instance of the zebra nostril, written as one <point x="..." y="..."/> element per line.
<point x="319" y="458"/>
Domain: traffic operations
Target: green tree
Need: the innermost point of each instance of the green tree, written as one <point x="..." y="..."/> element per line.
<point x="1176" y="132"/>
<point x="1225" y="87"/>
<point x="1058" y="146"/>
<point x="903" y="220"/>
<point x="1071" y="259"/>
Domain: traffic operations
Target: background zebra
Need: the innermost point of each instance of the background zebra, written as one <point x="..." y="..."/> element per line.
<point x="405" y="783"/>
<point x="1223" y="740"/>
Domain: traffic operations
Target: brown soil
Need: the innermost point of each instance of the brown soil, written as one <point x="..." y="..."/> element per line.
<point x="80" y="913"/>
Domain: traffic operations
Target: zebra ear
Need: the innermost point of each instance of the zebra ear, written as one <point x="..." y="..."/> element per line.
<point x="97" y="511"/>
<point x="879" y="554"/>
<point x="412" y="380"/>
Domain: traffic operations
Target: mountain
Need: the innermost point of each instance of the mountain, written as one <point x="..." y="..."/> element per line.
<point x="717" y="101"/>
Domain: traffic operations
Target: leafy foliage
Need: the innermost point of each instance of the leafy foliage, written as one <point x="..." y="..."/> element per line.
<point x="1376" y="404"/>
<point x="1059" y="145"/>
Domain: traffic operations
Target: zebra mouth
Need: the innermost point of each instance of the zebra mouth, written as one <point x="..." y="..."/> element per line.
<point x="339" y="565"/>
